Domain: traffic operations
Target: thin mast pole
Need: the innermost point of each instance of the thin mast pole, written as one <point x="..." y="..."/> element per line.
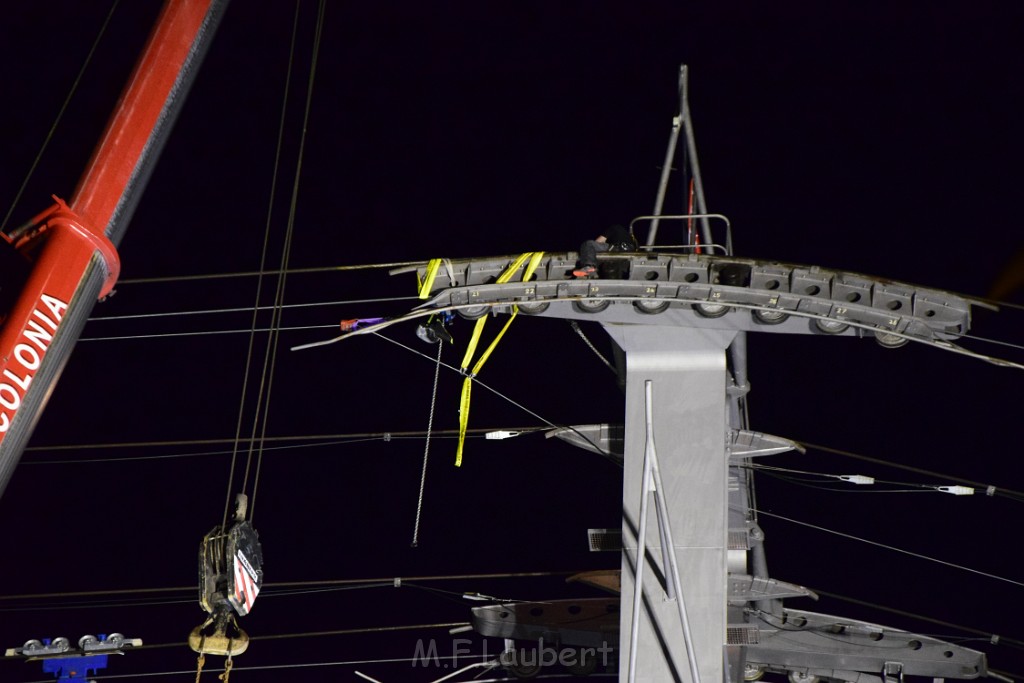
<point x="691" y="146"/>
<point x="666" y="167"/>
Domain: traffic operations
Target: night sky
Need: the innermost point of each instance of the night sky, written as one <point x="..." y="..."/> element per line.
<point x="870" y="137"/>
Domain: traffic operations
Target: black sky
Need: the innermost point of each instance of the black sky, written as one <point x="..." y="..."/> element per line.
<point x="876" y="138"/>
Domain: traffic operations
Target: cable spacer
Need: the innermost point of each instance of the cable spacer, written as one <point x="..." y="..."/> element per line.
<point x="956" y="490"/>
<point x="858" y="479"/>
<point x="398" y="582"/>
<point x="501" y="434"/>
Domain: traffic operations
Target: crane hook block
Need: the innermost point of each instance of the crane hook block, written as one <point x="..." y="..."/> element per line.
<point x="219" y="635"/>
<point x="230" y="569"/>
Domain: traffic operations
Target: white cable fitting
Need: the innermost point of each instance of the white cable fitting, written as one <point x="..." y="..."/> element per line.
<point x="398" y="582"/>
<point x="956" y="490"/>
<point x="858" y="479"/>
<point x="501" y="434"/>
<point x="990" y="491"/>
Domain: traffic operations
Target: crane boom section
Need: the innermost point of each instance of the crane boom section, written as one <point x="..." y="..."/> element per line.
<point x="72" y="248"/>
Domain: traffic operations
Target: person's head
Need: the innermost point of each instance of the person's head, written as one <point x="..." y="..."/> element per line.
<point x="620" y="239"/>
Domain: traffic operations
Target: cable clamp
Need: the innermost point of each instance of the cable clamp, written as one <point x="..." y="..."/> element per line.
<point x="398" y="582"/>
<point x="990" y="491"/>
<point x="387" y="436"/>
<point x="994" y="640"/>
<point x="501" y="434"/>
<point x="858" y="479"/>
<point x="956" y="490"/>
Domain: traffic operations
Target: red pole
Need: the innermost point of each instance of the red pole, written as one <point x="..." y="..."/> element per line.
<point x="73" y="248"/>
<point x="121" y="159"/>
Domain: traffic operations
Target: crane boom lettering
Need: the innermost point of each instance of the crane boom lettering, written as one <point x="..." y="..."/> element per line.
<point x="28" y="356"/>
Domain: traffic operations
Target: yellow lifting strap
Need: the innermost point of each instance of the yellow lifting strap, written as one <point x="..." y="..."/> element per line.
<point x="534" y="261"/>
<point x="428" y="278"/>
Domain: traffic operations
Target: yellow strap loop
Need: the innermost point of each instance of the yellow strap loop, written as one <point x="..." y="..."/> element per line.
<point x="474" y="339"/>
<point x="502" y="279"/>
<point x="468" y="382"/>
<point x="511" y="270"/>
<point x="534" y="258"/>
<point x="534" y="262"/>
<point x="487" y="353"/>
<point x="467" y="385"/>
<point x="428" y="278"/>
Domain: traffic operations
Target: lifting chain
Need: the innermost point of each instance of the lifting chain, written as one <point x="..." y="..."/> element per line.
<point x="224" y="676"/>
<point x="227" y="670"/>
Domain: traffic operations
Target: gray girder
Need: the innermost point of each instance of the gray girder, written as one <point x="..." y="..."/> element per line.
<point x="745" y="444"/>
<point x="590" y="622"/>
<point x="606" y="439"/>
<point x="668" y="289"/>
<point x="829" y="647"/>
<point x="745" y="588"/>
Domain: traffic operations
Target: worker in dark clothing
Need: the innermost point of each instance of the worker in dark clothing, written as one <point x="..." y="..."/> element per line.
<point x="616" y="238"/>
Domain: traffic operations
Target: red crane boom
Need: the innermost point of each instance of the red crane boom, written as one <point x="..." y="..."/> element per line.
<point x="71" y="249"/>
